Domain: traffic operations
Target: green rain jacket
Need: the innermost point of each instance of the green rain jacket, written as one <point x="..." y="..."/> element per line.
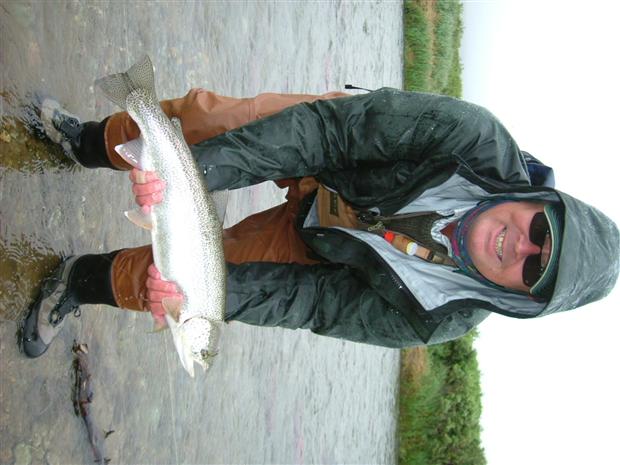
<point x="391" y="152"/>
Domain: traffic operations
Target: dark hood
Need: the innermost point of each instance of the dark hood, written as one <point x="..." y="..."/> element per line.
<point x="590" y="257"/>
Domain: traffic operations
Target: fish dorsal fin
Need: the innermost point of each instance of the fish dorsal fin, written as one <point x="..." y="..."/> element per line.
<point x="139" y="218"/>
<point x="176" y="123"/>
<point x="220" y="199"/>
<point x="131" y="152"/>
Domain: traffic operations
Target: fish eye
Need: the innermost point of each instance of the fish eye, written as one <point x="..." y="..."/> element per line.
<point x="206" y="354"/>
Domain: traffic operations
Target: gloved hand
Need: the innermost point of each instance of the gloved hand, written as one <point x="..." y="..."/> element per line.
<point x="147" y="187"/>
<point x="156" y="291"/>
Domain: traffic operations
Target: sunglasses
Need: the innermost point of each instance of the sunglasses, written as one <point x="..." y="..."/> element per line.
<point x="540" y="235"/>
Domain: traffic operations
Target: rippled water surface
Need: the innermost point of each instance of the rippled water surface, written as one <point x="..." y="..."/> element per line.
<point x="273" y="396"/>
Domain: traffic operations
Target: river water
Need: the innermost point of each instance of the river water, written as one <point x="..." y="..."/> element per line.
<point x="273" y="395"/>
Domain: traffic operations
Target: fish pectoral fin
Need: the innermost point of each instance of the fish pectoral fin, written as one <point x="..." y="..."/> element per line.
<point x="131" y="152"/>
<point x="139" y="218"/>
<point x="176" y="123"/>
<point x="182" y="345"/>
<point x="159" y="325"/>
<point x="173" y="307"/>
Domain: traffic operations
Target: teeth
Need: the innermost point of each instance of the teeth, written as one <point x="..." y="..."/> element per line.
<point x="499" y="246"/>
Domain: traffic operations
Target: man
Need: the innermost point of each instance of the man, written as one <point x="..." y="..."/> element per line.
<point x="409" y="219"/>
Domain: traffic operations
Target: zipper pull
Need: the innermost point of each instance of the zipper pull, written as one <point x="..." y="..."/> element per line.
<point x="378" y="227"/>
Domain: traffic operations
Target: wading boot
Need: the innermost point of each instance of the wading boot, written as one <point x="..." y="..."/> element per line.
<point x="46" y="316"/>
<point x="85" y="279"/>
<point x="83" y="143"/>
<point x="60" y="126"/>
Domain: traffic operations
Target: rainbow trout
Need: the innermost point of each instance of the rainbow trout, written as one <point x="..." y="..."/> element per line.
<point x="185" y="228"/>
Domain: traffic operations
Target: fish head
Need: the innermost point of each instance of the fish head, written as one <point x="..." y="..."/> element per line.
<point x="195" y="341"/>
<point x="202" y="336"/>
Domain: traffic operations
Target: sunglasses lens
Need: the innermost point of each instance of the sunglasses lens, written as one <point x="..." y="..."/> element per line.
<point x="539" y="228"/>
<point x="532" y="270"/>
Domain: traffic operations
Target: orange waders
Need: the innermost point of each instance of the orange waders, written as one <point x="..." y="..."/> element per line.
<point x="266" y="236"/>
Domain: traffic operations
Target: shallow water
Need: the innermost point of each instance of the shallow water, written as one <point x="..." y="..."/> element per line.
<point x="273" y="395"/>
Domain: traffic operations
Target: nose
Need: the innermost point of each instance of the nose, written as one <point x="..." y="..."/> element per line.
<point x="524" y="247"/>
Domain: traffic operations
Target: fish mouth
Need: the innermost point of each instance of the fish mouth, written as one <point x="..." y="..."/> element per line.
<point x="499" y="244"/>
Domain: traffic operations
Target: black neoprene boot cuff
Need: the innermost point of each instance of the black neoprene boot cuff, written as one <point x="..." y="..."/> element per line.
<point x="90" y="281"/>
<point x="89" y="145"/>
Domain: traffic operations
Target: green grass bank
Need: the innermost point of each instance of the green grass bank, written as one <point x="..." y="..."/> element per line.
<point x="440" y="396"/>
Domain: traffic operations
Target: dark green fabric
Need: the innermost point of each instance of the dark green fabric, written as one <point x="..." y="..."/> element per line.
<point x="382" y="150"/>
<point x="301" y="296"/>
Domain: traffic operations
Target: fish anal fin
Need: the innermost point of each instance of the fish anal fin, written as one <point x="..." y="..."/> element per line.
<point x="131" y="152"/>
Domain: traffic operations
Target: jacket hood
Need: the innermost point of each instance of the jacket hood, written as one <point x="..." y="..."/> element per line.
<point x="589" y="261"/>
<point x="590" y="257"/>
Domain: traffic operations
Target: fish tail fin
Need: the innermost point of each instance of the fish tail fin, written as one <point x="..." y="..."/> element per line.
<point x="118" y="86"/>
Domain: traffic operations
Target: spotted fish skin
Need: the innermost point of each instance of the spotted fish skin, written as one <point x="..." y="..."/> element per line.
<point x="186" y="231"/>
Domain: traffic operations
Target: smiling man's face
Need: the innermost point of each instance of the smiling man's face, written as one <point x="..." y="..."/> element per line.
<point x="498" y="242"/>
